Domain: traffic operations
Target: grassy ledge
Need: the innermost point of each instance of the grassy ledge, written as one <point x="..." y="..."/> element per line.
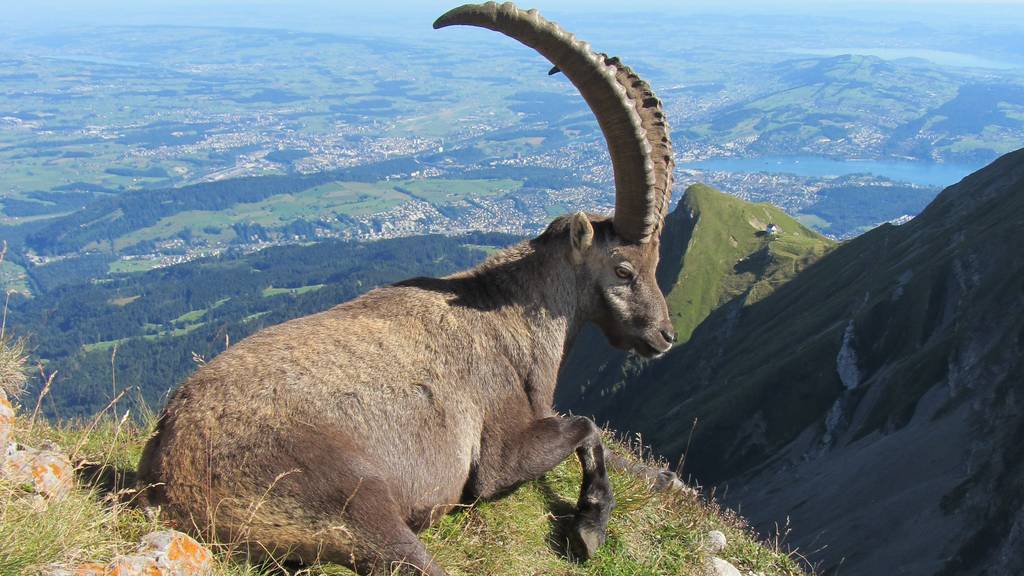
<point x="649" y="534"/>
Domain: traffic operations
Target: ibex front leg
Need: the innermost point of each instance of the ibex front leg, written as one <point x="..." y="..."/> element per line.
<point x="596" y="499"/>
<point x="542" y="446"/>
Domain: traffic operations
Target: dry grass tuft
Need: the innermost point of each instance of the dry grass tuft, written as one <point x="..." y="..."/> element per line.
<point x="12" y="351"/>
<point x="12" y="366"/>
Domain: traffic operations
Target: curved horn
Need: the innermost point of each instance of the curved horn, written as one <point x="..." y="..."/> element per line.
<point x="628" y="112"/>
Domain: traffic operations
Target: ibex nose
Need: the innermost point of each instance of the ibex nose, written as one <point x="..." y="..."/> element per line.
<point x="669" y="335"/>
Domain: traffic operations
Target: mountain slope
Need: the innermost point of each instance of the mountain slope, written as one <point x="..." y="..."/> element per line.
<point x="856" y="105"/>
<point x="728" y="252"/>
<point x="873" y="400"/>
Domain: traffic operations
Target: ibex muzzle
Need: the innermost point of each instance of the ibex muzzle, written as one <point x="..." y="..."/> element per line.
<point x="337" y="436"/>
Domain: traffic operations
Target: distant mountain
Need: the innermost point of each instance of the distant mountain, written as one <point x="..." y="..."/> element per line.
<point x="852" y="105"/>
<point x="874" y="400"/>
<point x="729" y="249"/>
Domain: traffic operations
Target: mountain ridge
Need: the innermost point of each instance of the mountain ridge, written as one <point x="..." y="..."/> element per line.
<point x="707" y="276"/>
<point x="872" y="376"/>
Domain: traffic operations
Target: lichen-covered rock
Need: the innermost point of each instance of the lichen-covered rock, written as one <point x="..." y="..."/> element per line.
<point x="162" y="553"/>
<point x="89" y="569"/>
<point x="716" y="541"/>
<point x="135" y="565"/>
<point x="47" y="471"/>
<point x="176" y="554"/>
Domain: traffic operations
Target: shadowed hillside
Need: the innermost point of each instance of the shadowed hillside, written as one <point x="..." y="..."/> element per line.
<point x="873" y="399"/>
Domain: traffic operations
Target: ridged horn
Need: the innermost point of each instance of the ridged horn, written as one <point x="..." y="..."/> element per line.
<point x="626" y="108"/>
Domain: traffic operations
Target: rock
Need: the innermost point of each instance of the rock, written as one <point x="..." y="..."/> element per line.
<point x="176" y="554"/>
<point x="716" y="541"/>
<point x="136" y="565"/>
<point x="88" y="569"/>
<point x="162" y="553"/>
<point x="718" y="567"/>
<point x="47" y="471"/>
<point x="6" y="425"/>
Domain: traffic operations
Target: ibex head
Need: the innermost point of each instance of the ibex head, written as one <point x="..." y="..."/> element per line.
<point x="616" y="259"/>
<point x="621" y="293"/>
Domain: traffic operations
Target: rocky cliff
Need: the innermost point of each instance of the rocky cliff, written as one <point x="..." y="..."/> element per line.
<point x="874" y="400"/>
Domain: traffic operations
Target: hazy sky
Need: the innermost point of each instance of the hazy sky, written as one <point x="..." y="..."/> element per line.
<point x="378" y="14"/>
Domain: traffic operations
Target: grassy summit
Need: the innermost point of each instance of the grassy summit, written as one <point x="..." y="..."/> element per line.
<point x="653" y="534"/>
<point x="729" y="250"/>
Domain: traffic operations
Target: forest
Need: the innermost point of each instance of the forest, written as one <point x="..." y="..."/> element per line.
<point x="149" y="330"/>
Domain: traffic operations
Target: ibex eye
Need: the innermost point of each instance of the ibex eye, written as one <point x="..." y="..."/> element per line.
<point x="623" y="272"/>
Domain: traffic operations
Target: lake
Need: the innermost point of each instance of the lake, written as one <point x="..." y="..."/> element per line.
<point x="925" y="173"/>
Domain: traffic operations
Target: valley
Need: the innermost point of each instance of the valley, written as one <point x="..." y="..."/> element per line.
<point x="841" y="268"/>
<point x="90" y="116"/>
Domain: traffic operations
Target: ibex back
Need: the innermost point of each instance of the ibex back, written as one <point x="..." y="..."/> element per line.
<point x="337" y="436"/>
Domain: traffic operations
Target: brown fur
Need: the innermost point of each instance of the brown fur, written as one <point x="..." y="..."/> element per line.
<point x="337" y="435"/>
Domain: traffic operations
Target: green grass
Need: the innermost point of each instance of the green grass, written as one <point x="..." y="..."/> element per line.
<point x="194" y="316"/>
<point x="729" y="254"/>
<point x="14" y="278"/>
<point x="189" y="317"/>
<point x="485" y="249"/>
<point x="132" y="266"/>
<point x="108" y="344"/>
<point x="444" y="191"/>
<point x="649" y="534"/>
<point x="255" y="316"/>
<point x="350" y="198"/>
<point x="320" y="202"/>
<point x="271" y="291"/>
<point x="184" y="324"/>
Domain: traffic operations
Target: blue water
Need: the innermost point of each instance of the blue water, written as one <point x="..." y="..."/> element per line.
<point x="925" y="173"/>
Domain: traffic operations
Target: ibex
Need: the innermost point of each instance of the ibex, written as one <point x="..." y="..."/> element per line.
<point x="337" y="436"/>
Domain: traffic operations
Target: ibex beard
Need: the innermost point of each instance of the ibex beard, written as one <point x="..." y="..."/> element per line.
<point x="337" y="436"/>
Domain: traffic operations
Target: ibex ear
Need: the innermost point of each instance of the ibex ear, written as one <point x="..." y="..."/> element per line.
<point x="581" y="234"/>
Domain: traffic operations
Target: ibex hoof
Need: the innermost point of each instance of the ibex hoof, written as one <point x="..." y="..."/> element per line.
<point x="585" y="538"/>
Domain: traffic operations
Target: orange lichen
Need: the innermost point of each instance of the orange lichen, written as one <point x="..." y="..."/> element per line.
<point x="177" y="553"/>
<point x="160" y="553"/>
<point x="187" y="551"/>
<point x="92" y="569"/>
<point x="135" y="566"/>
<point x="57" y="470"/>
<point x="48" y="472"/>
<point x="38" y="473"/>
